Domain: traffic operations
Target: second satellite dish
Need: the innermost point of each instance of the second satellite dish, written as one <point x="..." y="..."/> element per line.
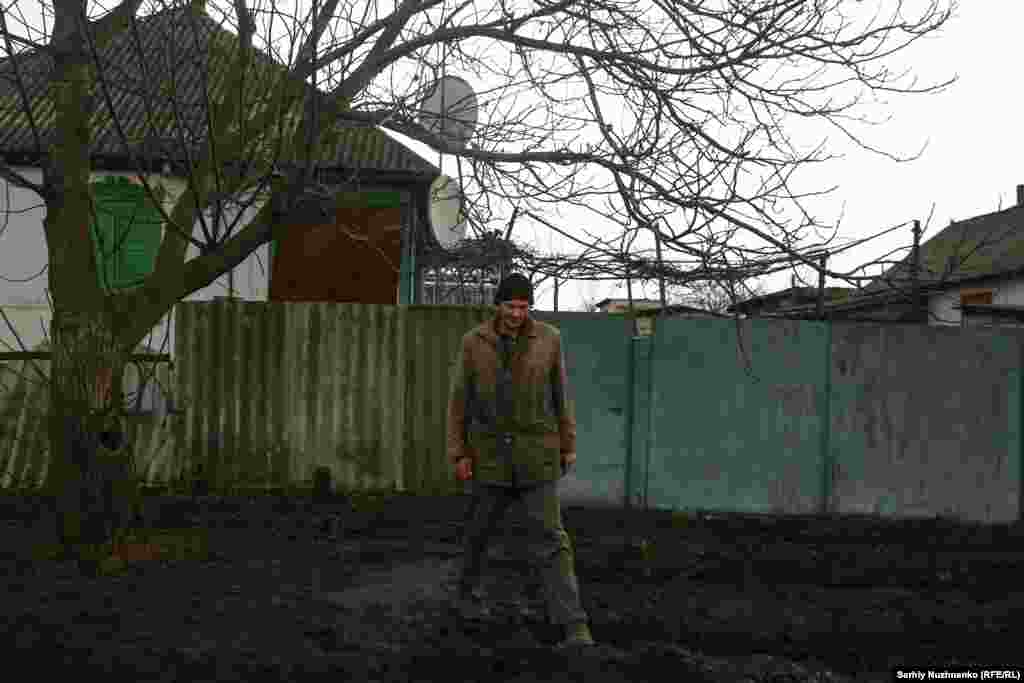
<point x="446" y="211"/>
<point x="450" y="110"/>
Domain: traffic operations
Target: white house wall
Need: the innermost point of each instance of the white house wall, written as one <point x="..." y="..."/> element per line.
<point x="251" y="277"/>
<point x="32" y="322"/>
<point x="22" y="243"/>
<point x="23" y="255"/>
<point x="1008" y="292"/>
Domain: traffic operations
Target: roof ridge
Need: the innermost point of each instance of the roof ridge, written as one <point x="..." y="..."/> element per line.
<point x="980" y="216"/>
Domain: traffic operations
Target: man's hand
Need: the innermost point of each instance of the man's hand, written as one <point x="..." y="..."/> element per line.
<point x="568" y="460"/>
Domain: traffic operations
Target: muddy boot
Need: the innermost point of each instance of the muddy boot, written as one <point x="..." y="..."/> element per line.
<point x="576" y="635"/>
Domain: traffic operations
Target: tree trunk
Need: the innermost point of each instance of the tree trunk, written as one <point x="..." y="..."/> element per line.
<point x="90" y="458"/>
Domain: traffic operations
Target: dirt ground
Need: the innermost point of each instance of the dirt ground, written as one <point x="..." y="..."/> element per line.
<point x="329" y="593"/>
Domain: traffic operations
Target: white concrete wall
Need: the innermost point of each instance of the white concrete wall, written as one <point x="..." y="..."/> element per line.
<point x="23" y="262"/>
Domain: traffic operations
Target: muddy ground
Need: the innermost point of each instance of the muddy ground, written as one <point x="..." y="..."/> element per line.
<point x="329" y="593"/>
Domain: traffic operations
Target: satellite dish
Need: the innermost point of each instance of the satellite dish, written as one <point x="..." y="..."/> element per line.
<point x="450" y="110"/>
<point x="446" y="216"/>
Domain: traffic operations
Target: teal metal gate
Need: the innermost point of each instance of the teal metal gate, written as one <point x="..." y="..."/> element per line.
<point x="731" y="424"/>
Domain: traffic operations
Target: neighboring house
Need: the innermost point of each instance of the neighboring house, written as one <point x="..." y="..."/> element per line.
<point x="773" y="302"/>
<point x="971" y="273"/>
<point x="647" y="309"/>
<point x="356" y="254"/>
<point x="622" y="305"/>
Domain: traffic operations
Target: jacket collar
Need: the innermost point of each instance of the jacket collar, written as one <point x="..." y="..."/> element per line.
<point x="489" y="330"/>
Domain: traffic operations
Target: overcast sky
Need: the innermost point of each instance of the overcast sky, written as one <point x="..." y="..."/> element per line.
<point x="973" y="161"/>
<point x="971" y="164"/>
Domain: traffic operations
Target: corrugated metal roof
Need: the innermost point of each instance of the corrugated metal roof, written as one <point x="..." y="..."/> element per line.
<point x="185" y="54"/>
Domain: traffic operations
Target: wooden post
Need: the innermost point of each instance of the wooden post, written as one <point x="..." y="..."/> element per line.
<point x="915" y="274"/>
<point x="661" y="271"/>
<point x="629" y="289"/>
<point x="556" y="294"/>
<point x="823" y="260"/>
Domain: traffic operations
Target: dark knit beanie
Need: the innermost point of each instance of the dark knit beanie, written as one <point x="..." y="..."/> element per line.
<point x="514" y="286"/>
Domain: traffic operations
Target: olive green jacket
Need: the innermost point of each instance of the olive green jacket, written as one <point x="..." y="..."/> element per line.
<point x="541" y="417"/>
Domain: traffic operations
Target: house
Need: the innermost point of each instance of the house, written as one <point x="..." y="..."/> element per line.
<point x="791" y="297"/>
<point x="971" y="273"/>
<point x="646" y="310"/>
<point x="377" y="189"/>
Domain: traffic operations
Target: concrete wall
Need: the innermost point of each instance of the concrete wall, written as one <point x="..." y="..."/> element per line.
<point x="926" y="421"/>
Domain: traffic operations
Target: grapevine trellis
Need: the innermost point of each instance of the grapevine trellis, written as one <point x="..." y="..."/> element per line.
<point x="466" y="272"/>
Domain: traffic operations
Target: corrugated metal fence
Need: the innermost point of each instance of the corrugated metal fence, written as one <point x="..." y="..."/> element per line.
<point x="24" y="406"/>
<point x="433" y="336"/>
<point x="288" y="387"/>
<point x="801" y="416"/>
<point x="268" y="392"/>
<point x="271" y="391"/>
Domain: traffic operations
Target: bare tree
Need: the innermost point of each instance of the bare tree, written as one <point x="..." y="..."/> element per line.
<point x="711" y="296"/>
<point x="664" y="117"/>
<point x="589" y="297"/>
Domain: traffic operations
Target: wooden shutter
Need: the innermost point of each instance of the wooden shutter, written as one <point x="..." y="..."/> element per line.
<point x="976" y="297"/>
<point x="126" y="233"/>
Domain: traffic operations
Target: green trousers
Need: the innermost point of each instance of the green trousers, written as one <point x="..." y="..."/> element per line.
<point x="548" y="546"/>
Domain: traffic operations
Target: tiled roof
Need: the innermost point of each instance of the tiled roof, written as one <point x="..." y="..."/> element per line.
<point x="184" y="54"/>
<point x="992" y="244"/>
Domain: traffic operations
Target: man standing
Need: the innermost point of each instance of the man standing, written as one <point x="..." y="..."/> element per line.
<point x="511" y="424"/>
